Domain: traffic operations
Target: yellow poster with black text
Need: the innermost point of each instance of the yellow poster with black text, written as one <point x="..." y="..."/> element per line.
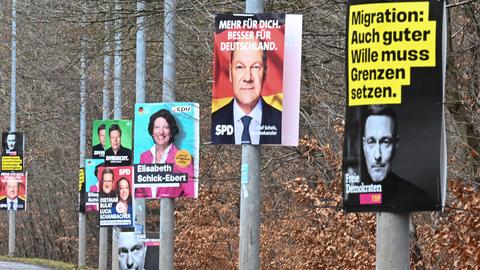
<point x="394" y="133"/>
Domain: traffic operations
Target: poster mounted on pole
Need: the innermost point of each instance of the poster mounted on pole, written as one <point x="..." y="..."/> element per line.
<point x="91" y="183"/>
<point x="13" y="191"/>
<point x="118" y="142"/>
<point x="166" y="154"/>
<point x="115" y="196"/>
<point x="98" y="139"/>
<point x="256" y="79"/>
<point x="82" y="194"/>
<point x="13" y="144"/>
<point x="394" y="156"/>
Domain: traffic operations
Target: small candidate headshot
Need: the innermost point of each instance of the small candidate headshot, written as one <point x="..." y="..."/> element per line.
<point x="99" y="149"/>
<point x="11" y="141"/>
<point x="131" y="251"/>
<point x="380" y="140"/>
<point x="101" y="137"/>
<point x="248" y="113"/>
<point x="106" y="183"/>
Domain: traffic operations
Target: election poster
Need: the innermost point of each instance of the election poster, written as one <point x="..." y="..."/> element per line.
<point x="118" y="142"/>
<point x="256" y="79"/>
<point x="137" y="252"/>
<point x="152" y="243"/>
<point x="98" y="139"/>
<point x="13" y="191"/>
<point x="394" y="156"/>
<point x="115" y="196"/>
<point x="166" y="150"/>
<point x="82" y="194"/>
<point x="12" y="152"/>
<point x="91" y="183"/>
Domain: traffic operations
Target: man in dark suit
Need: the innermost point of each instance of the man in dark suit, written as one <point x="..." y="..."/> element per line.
<point x="10" y="148"/>
<point x="247" y="119"/>
<point x="380" y="142"/>
<point x="98" y="150"/>
<point x="117" y="155"/>
<point x="12" y="201"/>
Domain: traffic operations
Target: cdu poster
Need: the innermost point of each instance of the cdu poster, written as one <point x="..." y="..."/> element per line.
<point x="166" y="150"/>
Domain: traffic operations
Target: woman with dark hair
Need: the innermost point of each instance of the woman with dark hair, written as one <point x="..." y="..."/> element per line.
<point x="163" y="128"/>
<point x="124" y="203"/>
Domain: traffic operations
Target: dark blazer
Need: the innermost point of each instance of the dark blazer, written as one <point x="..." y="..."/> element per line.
<point x="18" y="152"/>
<point x="20" y="204"/>
<point x="398" y="195"/>
<point x="270" y="117"/>
<point x="98" y="151"/>
<point x="122" y="152"/>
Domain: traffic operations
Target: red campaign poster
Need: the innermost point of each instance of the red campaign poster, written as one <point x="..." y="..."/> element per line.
<point x="13" y="191"/>
<point x="116" y="196"/>
<point x="256" y="79"/>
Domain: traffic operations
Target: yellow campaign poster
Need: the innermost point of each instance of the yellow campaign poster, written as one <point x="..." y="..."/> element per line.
<point x="395" y="148"/>
<point x="385" y="41"/>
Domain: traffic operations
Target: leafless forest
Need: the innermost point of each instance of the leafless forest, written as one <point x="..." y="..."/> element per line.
<point x="303" y="224"/>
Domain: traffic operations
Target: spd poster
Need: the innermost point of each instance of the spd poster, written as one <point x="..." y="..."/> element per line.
<point x="256" y="79"/>
<point x="12" y="152"/>
<point x="166" y="150"/>
<point x="13" y="191"/>
<point x="394" y="156"/>
<point x="115" y="196"/>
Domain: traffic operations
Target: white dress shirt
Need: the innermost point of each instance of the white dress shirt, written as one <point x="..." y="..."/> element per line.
<point x="254" y="128"/>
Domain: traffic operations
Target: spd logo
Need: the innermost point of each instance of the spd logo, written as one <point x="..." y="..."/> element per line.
<point x="222" y="129"/>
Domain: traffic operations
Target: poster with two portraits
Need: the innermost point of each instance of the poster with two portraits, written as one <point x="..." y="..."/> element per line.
<point x="13" y="178"/>
<point x="394" y="155"/>
<point x="108" y="175"/>
<point x="256" y="79"/>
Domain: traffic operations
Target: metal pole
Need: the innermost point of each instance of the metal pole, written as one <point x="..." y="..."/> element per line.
<point x="140" y="98"/>
<point x="393" y="242"/>
<point x="107" y="59"/>
<point x="250" y="203"/>
<point x="115" y="231"/>
<point x="169" y="80"/>
<point x="117" y="114"/>
<point x="82" y="218"/>
<point x="13" y="120"/>
<point x="250" y="194"/>
<point x="117" y="76"/>
<point x="103" y="248"/>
